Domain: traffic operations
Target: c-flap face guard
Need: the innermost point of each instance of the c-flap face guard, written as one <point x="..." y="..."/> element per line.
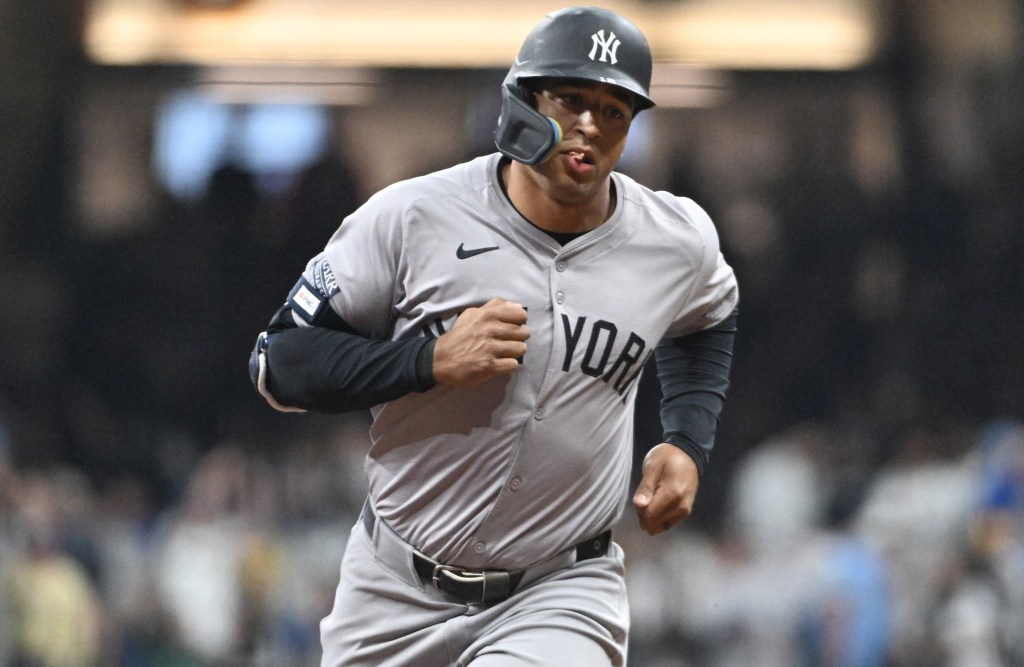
<point x="524" y="134"/>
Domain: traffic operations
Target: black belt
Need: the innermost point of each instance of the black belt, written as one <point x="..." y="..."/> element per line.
<point x="472" y="586"/>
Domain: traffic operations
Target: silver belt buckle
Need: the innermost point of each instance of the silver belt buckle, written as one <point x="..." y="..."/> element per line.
<point x="456" y="574"/>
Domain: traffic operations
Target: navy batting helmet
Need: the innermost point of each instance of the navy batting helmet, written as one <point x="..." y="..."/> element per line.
<point x="579" y="43"/>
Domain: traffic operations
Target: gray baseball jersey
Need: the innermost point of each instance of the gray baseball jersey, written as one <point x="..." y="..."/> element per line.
<point x="511" y="471"/>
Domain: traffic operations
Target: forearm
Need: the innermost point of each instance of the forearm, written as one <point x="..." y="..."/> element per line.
<point x="325" y="370"/>
<point x="694" y="374"/>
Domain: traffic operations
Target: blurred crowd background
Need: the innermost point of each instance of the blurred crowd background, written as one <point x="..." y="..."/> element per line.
<point x="865" y="503"/>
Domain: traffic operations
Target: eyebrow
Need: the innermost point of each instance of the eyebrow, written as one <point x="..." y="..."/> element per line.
<point x="616" y="92"/>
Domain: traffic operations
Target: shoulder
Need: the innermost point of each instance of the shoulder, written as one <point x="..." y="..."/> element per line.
<point x="395" y="212"/>
<point x="667" y="210"/>
<point x="411" y="193"/>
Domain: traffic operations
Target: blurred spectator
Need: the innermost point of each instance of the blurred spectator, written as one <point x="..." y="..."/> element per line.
<point x="55" y="612"/>
<point x="777" y="503"/>
<point x="966" y="623"/>
<point x="846" y="621"/>
<point x="998" y="527"/>
<point x="199" y="557"/>
<point x="138" y="629"/>
<point x="778" y="495"/>
<point x="917" y="513"/>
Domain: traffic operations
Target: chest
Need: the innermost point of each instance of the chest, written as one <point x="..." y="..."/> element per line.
<point x="597" y="306"/>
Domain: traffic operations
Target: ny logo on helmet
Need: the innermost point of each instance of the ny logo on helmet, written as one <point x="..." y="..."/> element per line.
<point x="608" y="46"/>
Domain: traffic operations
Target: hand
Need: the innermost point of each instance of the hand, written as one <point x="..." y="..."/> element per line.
<point x="484" y="342"/>
<point x="667" y="488"/>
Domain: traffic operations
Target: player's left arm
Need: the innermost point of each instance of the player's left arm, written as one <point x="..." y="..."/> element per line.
<point x="693" y="371"/>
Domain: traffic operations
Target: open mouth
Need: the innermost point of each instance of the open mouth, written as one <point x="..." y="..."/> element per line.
<point x="579" y="158"/>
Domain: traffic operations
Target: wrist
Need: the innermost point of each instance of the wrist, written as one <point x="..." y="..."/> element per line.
<point x="425" y="365"/>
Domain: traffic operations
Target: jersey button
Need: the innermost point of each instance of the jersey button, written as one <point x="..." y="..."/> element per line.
<point x="515" y="483"/>
<point x="538" y="413"/>
<point x="560" y="266"/>
<point x="560" y="297"/>
<point x="479" y="547"/>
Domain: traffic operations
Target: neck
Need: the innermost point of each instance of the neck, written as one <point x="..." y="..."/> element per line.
<point x="569" y="214"/>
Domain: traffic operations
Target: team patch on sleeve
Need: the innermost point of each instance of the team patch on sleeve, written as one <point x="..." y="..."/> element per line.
<point x="310" y="300"/>
<point x="323" y="278"/>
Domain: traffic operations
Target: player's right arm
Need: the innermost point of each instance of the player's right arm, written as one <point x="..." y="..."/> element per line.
<point x="331" y="347"/>
<point x="326" y="366"/>
<point x="333" y="369"/>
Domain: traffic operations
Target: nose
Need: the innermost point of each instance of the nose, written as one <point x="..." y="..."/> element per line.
<point x="586" y="123"/>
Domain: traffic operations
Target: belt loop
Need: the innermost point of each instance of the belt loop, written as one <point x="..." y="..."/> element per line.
<point x="369" y="520"/>
<point x="497" y="586"/>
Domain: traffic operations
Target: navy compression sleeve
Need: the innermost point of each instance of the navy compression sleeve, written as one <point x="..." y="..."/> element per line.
<point x="331" y="371"/>
<point x="694" y="374"/>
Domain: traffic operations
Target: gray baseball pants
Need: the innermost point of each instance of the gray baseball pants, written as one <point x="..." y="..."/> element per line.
<point x="563" y="613"/>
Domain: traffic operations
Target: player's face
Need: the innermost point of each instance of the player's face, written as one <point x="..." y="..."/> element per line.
<point x="595" y="119"/>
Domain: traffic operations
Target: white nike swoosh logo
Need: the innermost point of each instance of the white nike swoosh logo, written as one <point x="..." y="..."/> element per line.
<point x="520" y="63"/>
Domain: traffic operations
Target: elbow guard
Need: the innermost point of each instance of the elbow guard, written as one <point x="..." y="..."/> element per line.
<point x="258" y="374"/>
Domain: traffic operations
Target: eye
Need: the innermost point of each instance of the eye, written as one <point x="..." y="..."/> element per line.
<point x="618" y="112"/>
<point x="572" y="99"/>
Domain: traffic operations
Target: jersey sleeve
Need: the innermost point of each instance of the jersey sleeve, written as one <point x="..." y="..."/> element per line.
<point x="328" y="349"/>
<point x="694" y="360"/>
<point x="359" y="267"/>
<point x="715" y="293"/>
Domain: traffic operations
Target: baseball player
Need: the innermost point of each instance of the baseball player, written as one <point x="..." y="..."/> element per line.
<point x="495" y="316"/>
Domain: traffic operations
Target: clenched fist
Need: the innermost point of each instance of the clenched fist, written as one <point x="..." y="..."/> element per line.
<point x="484" y="342"/>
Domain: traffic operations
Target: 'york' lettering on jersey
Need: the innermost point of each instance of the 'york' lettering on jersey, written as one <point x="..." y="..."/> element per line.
<point x="596" y="360"/>
<point x="597" y="356"/>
